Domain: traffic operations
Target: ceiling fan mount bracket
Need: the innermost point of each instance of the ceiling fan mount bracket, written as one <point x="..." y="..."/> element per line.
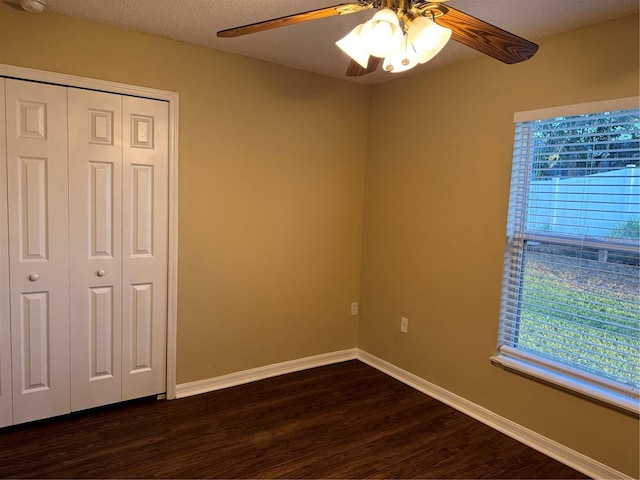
<point x="408" y="9"/>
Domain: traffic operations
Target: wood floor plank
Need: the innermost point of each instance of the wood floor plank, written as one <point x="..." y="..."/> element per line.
<point x="346" y="420"/>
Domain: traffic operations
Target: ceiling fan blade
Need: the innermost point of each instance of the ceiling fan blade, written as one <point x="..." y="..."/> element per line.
<point x="355" y="69"/>
<point x="486" y="38"/>
<point x="342" y="9"/>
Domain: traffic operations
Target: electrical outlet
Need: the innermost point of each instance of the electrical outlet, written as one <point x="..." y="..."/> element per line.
<point x="404" y="325"/>
<point x="354" y="308"/>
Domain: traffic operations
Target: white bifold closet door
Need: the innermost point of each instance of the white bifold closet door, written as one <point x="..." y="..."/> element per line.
<point x="95" y="227"/>
<point x="145" y="216"/>
<point x="38" y="198"/>
<point x="87" y="201"/>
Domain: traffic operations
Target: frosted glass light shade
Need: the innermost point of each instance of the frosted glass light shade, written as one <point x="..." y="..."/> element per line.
<point x="403" y="59"/>
<point x="352" y="45"/>
<point x="427" y="37"/>
<point x="382" y="34"/>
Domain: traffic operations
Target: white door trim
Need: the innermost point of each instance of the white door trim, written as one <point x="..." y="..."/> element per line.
<point x="173" y="100"/>
<point x="6" y="391"/>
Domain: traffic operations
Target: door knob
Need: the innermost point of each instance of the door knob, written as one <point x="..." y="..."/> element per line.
<point x="33" y="277"/>
<point x="101" y="273"/>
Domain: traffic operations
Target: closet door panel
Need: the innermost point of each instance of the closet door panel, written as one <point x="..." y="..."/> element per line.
<point x="36" y="125"/>
<point x="95" y="243"/>
<point x="145" y="210"/>
<point x="6" y="401"/>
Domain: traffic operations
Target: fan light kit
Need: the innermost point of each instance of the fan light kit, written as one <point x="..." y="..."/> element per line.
<point x="405" y="33"/>
<point x="383" y="37"/>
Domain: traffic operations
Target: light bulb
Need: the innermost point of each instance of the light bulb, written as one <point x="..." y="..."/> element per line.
<point x="427" y="37"/>
<point x="382" y="34"/>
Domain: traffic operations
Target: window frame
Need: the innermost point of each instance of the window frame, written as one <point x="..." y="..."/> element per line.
<point x="530" y="365"/>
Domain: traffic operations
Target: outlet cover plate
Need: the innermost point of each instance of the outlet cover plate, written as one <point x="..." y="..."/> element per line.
<point x="404" y="325"/>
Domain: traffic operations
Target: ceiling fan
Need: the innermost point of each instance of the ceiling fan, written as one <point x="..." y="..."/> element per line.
<point x="404" y="33"/>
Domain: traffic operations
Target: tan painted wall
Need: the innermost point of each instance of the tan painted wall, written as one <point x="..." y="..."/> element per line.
<point x="271" y="178"/>
<point x="434" y="231"/>
<point x="272" y="168"/>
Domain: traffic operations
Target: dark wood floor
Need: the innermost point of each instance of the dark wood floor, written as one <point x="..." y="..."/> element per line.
<point x="341" y="421"/>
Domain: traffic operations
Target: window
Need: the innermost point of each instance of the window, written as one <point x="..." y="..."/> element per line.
<point x="570" y="306"/>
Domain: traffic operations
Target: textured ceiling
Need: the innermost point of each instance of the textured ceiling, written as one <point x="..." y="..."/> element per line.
<point x="310" y="45"/>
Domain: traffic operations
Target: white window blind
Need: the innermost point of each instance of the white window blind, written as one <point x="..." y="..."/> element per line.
<point x="570" y="307"/>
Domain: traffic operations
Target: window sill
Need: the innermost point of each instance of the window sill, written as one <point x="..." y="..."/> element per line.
<point x="626" y="403"/>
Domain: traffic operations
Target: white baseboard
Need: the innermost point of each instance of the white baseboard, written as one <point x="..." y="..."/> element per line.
<point x="260" y="373"/>
<point x="551" y="448"/>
